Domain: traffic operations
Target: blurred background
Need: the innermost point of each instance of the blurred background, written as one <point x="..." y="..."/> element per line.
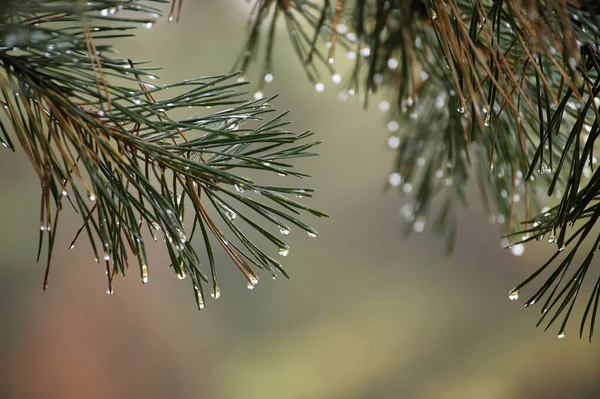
<point x="366" y="314"/>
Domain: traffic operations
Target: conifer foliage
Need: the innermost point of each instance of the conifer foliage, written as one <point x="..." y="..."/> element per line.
<point x="99" y="134"/>
<point x="497" y="91"/>
<point x="500" y="92"/>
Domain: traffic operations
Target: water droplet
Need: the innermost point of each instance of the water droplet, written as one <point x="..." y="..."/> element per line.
<point x="148" y="25"/>
<point x="393" y="142"/>
<point x="110" y="291"/>
<point x="137" y="101"/>
<point x="319" y="87"/>
<point x="517" y="249"/>
<point x="393" y="126"/>
<point x="283" y="230"/>
<point x="106" y="257"/>
<point x="258" y="95"/>
<point x="336" y="78"/>
<point x="72" y="246"/>
<point x="419" y="225"/>
<point x="395" y="179"/>
<point x="545" y="210"/>
<point x="513" y="295"/>
<point x="239" y="188"/>
<point x="284" y="251"/>
<point x="330" y="60"/>
<point x="392" y="63"/>
<point x="155" y="226"/>
<point x="104" y="12"/>
<point x="341" y="29"/>
<point x="250" y="286"/>
<point x="200" y="299"/>
<point x="487" y="119"/>
<point x="407" y="187"/>
<point x="181" y="275"/>
<point x="384" y="106"/>
<point x="216" y="293"/>
<point x="407" y="211"/>
<point x="92" y="197"/>
<point x="461" y="106"/>
<point x="229" y="213"/>
<point x="64" y="193"/>
<point x="351" y="55"/>
<point x="440" y="102"/>
<point x="433" y="15"/>
<point x="561" y="335"/>
<point x="532" y="302"/>
<point x="182" y="237"/>
<point x="144" y="273"/>
<point x="268" y="78"/>
<point x="365" y="51"/>
<point x="311" y="234"/>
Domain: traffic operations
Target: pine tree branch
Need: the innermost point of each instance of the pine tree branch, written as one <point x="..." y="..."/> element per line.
<point x="506" y="90"/>
<point x="99" y="133"/>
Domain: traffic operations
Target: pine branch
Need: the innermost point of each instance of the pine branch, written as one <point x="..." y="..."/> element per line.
<point x="99" y="133"/>
<point x="506" y="90"/>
